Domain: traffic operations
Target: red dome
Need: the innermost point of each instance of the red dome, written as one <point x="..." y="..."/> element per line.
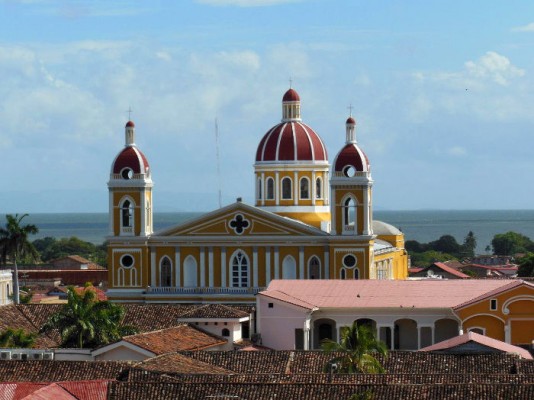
<point x="291" y="95"/>
<point x="130" y="124"/>
<point x="351" y="120"/>
<point x="291" y="141"/>
<point x="132" y="158"/>
<point x="351" y="156"/>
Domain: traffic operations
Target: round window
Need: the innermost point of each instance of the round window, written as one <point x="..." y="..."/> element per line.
<point x="127" y="173"/>
<point x="127" y="261"/>
<point x="349" y="171"/>
<point x="349" y="261"/>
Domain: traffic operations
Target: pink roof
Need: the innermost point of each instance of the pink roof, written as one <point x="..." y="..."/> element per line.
<point x="381" y="293"/>
<point x="480" y="339"/>
<point x="510" y="284"/>
<point x="451" y="270"/>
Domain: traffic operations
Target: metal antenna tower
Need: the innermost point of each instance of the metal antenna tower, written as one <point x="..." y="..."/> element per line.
<point x="218" y="161"/>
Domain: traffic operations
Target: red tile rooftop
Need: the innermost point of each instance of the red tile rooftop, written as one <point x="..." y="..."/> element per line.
<point x="382" y="293"/>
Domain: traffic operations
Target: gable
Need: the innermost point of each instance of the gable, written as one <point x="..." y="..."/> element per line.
<point x="240" y="219"/>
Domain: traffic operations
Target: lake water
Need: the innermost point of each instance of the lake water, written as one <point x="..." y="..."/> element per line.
<point x="421" y="225"/>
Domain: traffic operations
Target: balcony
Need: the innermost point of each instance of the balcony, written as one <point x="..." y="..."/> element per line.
<point x="204" y="290"/>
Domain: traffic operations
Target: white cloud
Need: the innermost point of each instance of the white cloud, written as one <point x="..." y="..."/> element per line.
<point x="457" y="151"/>
<point x="494" y="67"/>
<point x="524" y="28"/>
<point x="246" y="3"/>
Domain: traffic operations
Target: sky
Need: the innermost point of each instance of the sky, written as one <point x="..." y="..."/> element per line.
<point x="442" y="91"/>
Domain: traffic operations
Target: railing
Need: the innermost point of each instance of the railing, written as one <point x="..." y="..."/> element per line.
<point x="203" y="290"/>
<point x="340" y="174"/>
<point x="134" y="176"/>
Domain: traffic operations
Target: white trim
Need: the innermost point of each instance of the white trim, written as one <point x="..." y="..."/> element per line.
<point x="486" y="314"/>
<point x="122" y="343"/>
<point x="153" y="266"/>
<point x="254" y="266"/>
<point x="202" y="267"/>
<point x="303" y="209"/>
<point x="267" y="265"/>
<point x="310" y="196"/>
<point x="223" y="267"/>
<point x="301" y="262"/>
<point x="276" y="262"/>
<point x="282" y="188"/>
<point x="278" y="141"/>
<point x="178" y="268"/>
<point x="231" y="265"/>
<point x="210" y="266"/>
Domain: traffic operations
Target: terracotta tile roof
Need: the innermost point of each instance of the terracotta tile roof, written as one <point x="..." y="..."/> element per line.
<point x="178" y="338"/>
<point x="179" y="363"/>
<point x="480" y="339"/>
<point x="146" y="390"/>
<point x="78" y="259"/>
<point x="380" y="293"/>
<point x="12" y="317"/>
<point x="451" y="270"/>
<point x="87" y="390"/>
<point x="214" y="311"/>
<point x="149" y="317"/>
<point x="57" y="371"/>
<point x="100" y="294"/>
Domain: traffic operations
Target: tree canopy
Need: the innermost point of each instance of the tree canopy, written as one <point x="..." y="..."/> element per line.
<point x="17" y="338"/>
<point x="85" y="322"/>
<point x="510" y="243"/>
<point x="526" y="266"/>
<point x="359" y="347"/>
<point x="51" y="248"/>
<point x="14" y="244"/>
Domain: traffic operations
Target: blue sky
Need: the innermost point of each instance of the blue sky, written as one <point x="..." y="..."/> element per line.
<point x="443" y="93"/>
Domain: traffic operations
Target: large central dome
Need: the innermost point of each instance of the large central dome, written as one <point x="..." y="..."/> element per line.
<point x="291" y="140"/>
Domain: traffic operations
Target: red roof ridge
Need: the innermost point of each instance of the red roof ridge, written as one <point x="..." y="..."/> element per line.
<point x="451" y="270"/>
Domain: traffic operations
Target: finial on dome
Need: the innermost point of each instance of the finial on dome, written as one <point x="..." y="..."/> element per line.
<point x="291" y="105"/>
<point x="129" y="134"/>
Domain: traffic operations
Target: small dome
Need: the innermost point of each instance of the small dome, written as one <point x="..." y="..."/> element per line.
<point x="130" y="124"/>
<point x="291" y="95"/>
<point x="351" y="120"/>
<point x="351" y="157"/>
<point x="291" y="141"/>
<point x="385" y="229"/>
<point x="130" y="159"/>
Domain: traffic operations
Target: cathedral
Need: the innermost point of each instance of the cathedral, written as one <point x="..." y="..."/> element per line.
<point x="311" y="220"/>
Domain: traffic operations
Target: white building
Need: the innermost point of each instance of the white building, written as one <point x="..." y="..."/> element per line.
<point x="6" y="286"/>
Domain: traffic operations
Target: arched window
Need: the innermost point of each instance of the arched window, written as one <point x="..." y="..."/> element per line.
<point x="319" y="188"/>
<point x="127" y="214"/>
<point x="259" y="188"/>
<point x="239" y="267"/>
<point x="165" y="272"/>
<point x="356" y="273"/>
<point x="343" y="273"/>
<point x="289" y="268"/>
<point x="190" y="272"/>
<point x="349" y="214"/>
<point x="304" y="188"/>
<point x="314" y="268"/>
<point x="287" y="191"/>
<point x="270" y="189"/>
<point x="225" y="332"/>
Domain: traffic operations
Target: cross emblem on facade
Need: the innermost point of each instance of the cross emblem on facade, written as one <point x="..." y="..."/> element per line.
<point x="239" y="224"/>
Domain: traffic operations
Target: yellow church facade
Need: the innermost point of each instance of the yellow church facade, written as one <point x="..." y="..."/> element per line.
<point x="310" y="220"/>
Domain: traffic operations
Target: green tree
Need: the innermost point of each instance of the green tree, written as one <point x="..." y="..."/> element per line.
<point x="469" y="245"/>
<point x="510" y="243"/>
<point x="85" y="322"/>
<point x="15" y="245"/>
<point x="446" y="244"/>
<point x="51" y="248"/>
<point x="17" y="338"/>
<point x="359" y="347"/>
<point x="429" y="257"/>
<point x="526" y="266"/>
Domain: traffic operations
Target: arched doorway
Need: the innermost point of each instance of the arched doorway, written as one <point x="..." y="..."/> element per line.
<point x="444" y="329"/>
<point x="323" y="328"/>
<point x="406" y="337"/>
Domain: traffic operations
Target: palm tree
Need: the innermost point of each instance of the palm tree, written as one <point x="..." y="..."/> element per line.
<point x="86" y="322"/>
<point x="17" y="338"/>
<point x="15" y="245"/>
<point x="358" y="346"/>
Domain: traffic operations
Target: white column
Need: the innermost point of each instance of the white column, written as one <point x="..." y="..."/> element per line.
<point x="202" y="267"/>
<point x="433" y="333"/>
<point x="419" y="336"/>
<point x="267" y="266"/>
<point x="296" y="188"/>
<point x="223" y="267"/>
<point x="255" y="266"/>
<point x="153" y="266"/>
<point x="276" y="262"/>
<point x="263" y="188"/>
<point x="277" y="187"/>
<point x="507" y="333"/>
<point x="392" y="330"/>
<point x="142" y="214"/>
<point x="111" y="215"/>
<point x="301" y="262"/>
<point x="178" y="269"/>
<point x="210" y="265"/>
<point x="313" y="188"/>
<point x="366" y="211"/>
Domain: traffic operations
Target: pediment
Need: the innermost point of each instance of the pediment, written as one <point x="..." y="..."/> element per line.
<point x="240" y="219"/>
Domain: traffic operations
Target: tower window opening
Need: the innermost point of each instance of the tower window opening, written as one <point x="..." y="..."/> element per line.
<point x="270" y="189"/>
<point x="259" y="188"/>
<point x="349" y="214"/>
<point x="127" y="173"/>
<point x="304" y="188"/>
<point x="166" y="272"/>
<point x="127" y="214"/>
<point x="319" y="188"/>
<point x="349" y="171"/>
<point x="287" y="189"/>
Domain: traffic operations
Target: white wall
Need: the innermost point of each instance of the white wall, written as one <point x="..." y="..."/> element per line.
<point x="6" y="286"/>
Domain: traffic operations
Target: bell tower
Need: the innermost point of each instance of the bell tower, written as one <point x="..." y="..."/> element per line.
<point x="351" y="186"/>
<point x="130" y="190"/>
